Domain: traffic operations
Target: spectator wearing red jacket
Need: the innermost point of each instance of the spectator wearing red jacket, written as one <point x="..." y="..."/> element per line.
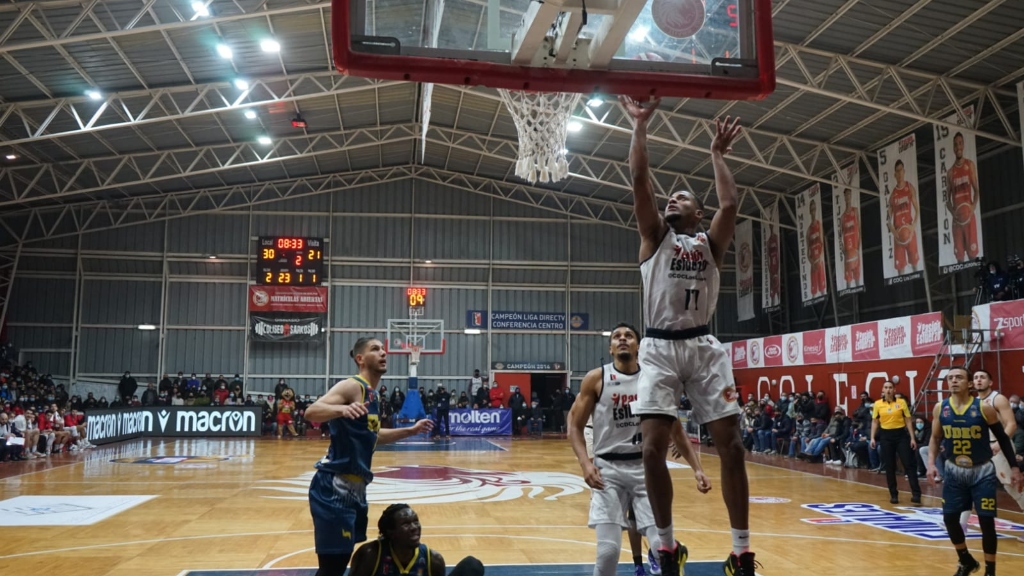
<point x="497" y="396"/>
<point x="221" y="394"/>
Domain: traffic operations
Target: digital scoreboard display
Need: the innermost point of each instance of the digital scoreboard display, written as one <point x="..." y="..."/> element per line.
<point x="417" y="297"/>
<point x="289" y="261"/>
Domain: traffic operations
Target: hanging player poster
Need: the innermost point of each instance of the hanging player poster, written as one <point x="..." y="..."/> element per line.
<point x="771" y="260"/>
<point x="1020" y="110"/>
<point x="745" y="270"/>
<point x="958" y="195"/>
<point x="902" y="257"/>
<point x="811" y="238"/>
<point x="847" y="231"/>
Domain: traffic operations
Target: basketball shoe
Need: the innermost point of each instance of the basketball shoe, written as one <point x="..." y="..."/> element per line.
<point x="652" y="559"/>
<point x="672" y="562"/>
<point x="742" y="565"/>
<point x="967" y="565"/>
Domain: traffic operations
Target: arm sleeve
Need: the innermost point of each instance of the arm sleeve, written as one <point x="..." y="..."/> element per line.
<point x="1005" y="445"/>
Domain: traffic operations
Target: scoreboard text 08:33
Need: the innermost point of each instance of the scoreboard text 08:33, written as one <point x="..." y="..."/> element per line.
<point x="287" y="261"/>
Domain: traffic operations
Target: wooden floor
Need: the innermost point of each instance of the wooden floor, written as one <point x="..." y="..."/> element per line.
<point x="241" y="504"/>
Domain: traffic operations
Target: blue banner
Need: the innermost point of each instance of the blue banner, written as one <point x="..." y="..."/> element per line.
<point x="480" y="422"/>
<point x="512" y="320"/>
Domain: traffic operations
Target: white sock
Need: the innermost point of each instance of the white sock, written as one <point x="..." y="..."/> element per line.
<point x="666" y="538"/>
<point x="740" y="541"/>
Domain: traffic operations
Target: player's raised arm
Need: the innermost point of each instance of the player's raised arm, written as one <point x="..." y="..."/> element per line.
<point x="343" y="400"/>
<point x="581" y="411"/>
<point x="723" y="224"/>
<point x="648" y="218"/>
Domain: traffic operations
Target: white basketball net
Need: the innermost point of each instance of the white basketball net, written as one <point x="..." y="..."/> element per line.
<point x="542" y="119"/>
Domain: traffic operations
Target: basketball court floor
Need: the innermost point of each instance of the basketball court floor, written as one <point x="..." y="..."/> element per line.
<point x="238" y="507"/>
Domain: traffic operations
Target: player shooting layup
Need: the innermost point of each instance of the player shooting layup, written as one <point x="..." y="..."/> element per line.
<point x="679" y="266"/>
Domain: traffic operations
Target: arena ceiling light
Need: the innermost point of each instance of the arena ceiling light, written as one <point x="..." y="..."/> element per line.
<point x="241" y="84"/>
<point x="471" y="331"/>
<point x="200" y="9"/>
<point x="265" y="140"/>
<point x="94" y="94"/>
<point x="12" y="156"/>
<point x="594" y="102"/>
<point x="606" y="333"/>
<point x="147" y="327"/>
<point x="574" y="126"/>
<point x="270" y="45"/>
<point x="224" y="51"/>
<point x="250" y="114"/>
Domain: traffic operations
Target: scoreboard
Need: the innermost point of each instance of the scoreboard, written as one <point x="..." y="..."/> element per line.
<point x="289" y="261"/>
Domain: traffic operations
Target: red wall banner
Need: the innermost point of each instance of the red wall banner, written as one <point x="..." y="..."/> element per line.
<point x="309" y="299"/>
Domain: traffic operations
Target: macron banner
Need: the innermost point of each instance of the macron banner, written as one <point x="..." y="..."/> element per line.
<point x="480" y="422"/>
<point x="889" y="339"/>
<point x="106" y="426"/>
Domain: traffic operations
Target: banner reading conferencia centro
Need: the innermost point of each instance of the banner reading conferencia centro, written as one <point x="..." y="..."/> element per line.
<point x="523" y="320"/>
<point x="480" y="422"/>
<point x="106" y="426"/>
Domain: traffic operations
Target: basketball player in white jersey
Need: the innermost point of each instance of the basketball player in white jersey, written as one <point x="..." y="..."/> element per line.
<point x="614" y="467"/>
<point x="679" y="265"/>
<point x="983" y="384"/>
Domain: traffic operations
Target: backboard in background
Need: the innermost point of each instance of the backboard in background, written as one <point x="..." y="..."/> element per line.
<point x="407" y="333"/>
<point x="687" y="48"/>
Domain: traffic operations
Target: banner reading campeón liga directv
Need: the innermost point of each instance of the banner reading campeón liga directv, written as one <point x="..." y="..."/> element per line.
<point x="745" y="270"/>
<point x="811" y="241"/>
<point x="771" y="260"/>
<point x="902" y="254"/>
<point x="847" y="231"/>
<point x="958" y="196"/>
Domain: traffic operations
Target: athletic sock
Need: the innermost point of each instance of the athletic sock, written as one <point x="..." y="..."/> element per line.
<point x="990" y="568"/>
<point x="740" y="541"/>
<point x="638" y="560"/>
<point x="667" y="538"/>
<point x="964" y="554"/>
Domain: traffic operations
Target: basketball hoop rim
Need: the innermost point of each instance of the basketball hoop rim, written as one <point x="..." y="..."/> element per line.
<point x="408" y="351"/>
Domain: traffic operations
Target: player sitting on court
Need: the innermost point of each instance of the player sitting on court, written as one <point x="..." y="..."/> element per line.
<point x="398" y="550"/>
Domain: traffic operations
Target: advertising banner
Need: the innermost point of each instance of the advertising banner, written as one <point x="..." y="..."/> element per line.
<point x="900" y="206"/>
<point x="745" y="270"/>
<point x="528" y="366"/>
<point x="772" y="351"/>
<point x="847" y="231"/>
<point x="287" y="327"/>
<point x="521" y="320"/>
<point x="106" y="426"/>
<point x="1003" y="322"/>
<point x="305" y="299"/>
<point x="771" y="260"/>
<point x="1020" y="110"/>
<point x="958" y="196"/>
<point x="480" y="422"/>
<point x="811" y="244"/>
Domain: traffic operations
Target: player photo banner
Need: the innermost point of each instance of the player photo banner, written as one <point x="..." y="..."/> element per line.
<point x="902" y="256"/>
<point x="1020" y="110"/>
<point x="958" y="195"/>
<point x="771" y="260"/>
<point x="745" y="270"/>
<point x="811" y="236"/>
<point x="847" y="231"/>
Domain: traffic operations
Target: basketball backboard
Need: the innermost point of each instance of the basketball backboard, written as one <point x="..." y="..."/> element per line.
<point x="687" y="48"/>
<point x="405" y="334"/>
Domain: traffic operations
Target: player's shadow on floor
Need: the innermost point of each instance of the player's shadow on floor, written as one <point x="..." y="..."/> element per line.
<point x="692" y="569"/>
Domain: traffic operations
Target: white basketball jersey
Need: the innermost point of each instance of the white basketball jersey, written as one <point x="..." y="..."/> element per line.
<point x="991" y="401"/>
<point x="616" y="429"/>
<point x="680" y="283"/>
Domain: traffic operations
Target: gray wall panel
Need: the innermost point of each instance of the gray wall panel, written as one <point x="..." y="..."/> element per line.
<point x="444" y="239"/>
<point x="314" y="386"/>
<point x="318" y="204"/>
<point x="601" y="243"/>
<point x="451" y="304"/>
<point x="290" y="225"/>
<point x="533" y="241"/>
<point x="516" y="210"/>
<point x="629" y="275"/>
<point x="429" y="273"/>
<point x="607" y="309"/>
<point x="43" y="300"/>
<point x="529" y="300"/>
<point x="142" y="238"/>
<point x="361" y="237"/>
<point x="47" y="263"/>
<point x="40" y="337"/>
<point x="113" y="302"/>
<point x="366" y="271"/>
<point x="57" y="364"/>
<point x="206" y="304"/>
<point x="436" y="199"/>
<point x="226" y="233"/>
<point x="386" y="198"/>
<point x="201" y="351"/>
<point x="294" y="358"/>
<point x="342" y="364"/>
<point x="114" y="350"/>
<point x="589" y="351"/>
<point x="366" y="306"/>
<point x="124" y="267"/>
<point x="528" y="348"/>
<point x="553" y="276"/>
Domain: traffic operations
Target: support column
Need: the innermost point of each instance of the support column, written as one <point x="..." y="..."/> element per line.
<point x="76" y="326"/>
<point x="161" y="362"/>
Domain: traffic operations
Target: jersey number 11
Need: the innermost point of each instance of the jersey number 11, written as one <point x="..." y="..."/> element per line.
<point x="692" y="294"/>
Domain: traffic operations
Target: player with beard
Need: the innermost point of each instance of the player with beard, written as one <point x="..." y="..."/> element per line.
<point x="680" y="269"/>
<point x="904" y="211"/>
<point x="962" y="423"/>
<point x="613" y="467"/>
<point x="962" y="192"/>
<point x="999" y="403"/>
<point x="337" y="493"/>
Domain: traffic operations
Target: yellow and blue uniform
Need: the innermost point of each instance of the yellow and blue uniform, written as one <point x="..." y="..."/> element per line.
<point x="970" y="477"/>
<point x="337" y="494"/>
<point x="388" y="565"/>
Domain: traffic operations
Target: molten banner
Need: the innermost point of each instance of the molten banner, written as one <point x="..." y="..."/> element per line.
<point x="480" y="422"/>
<point x="745" y="270"/>
<point x="958" y="195"/>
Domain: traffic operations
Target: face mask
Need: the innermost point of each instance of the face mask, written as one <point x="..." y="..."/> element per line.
<point x="920" y="425"/>
<point x="1014" y="406"/>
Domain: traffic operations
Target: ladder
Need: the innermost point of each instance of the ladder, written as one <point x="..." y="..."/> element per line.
<point x="953" y="352"/>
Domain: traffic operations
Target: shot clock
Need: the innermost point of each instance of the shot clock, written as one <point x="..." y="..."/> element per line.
<point x="289" y="261"/>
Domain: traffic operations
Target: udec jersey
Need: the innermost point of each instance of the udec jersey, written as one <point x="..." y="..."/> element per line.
<point x="965" y="434"/>
<point x="353" y="440"/>
<point x="388" y="565"/>
<point x="616" y="429"/>
<point x="680" y="282"/>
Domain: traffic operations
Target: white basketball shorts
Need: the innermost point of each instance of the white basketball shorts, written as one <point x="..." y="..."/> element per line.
<point x="624" y="487"/>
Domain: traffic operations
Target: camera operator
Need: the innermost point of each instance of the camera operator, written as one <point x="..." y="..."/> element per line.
<point x="1015" y="277"/>
<point x="997" y="283"/>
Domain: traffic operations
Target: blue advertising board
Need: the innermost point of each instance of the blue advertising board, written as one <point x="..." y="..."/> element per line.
<point x="466" y="422"/>
<point x="513" y="320"/>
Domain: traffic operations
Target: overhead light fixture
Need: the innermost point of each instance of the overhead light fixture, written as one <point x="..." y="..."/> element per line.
<point x="270" y="45"/>
<point x="299" y="122"/>
<point x="594" y="102"/>
<point x="94" y="94"/>
<point x="212" y="256"/>
<point x="147" y="327"/>
<point x="575" y="126"/>
<point x="241" y="84"/>
<point x="265" y="140"/>
<point x="200" y="9"/>
<point x="250" y="114"/>
<point x="12" y="156"/>
<point x="471" y="331"/>
<point x="224" y="50"/>
<point x="639" y="34"/>
<point x="564" y="151"/>
<point x="606" y="333"/>
<point x="428" y="261"/>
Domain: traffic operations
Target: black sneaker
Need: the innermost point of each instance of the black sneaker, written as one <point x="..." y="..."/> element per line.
<point x="894" y="499"/>
<point x="969" y="566"/>
<point x="915" y="499"/>
<point x="673" y="561"/>
<point x="742" y="565"/>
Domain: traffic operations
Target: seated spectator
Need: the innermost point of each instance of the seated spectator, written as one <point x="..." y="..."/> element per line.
<point x="483" y="397"/>
<point x="463" y="400"/>
<point x="149" y="397"/>
<point x="178" y="400"/>
<point x="103" y="404"/>
<point x="32" y="435"/>
<point x="764" y="431"/>
<point x="922" y="435"/>
<point x="536" y="424"/>
<point x="12" y="441"/>
<point x="220" y="394"/>
<point x="91" y="402"/>
<point x="782" y="430"/>
<point x="497" y="396"/>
